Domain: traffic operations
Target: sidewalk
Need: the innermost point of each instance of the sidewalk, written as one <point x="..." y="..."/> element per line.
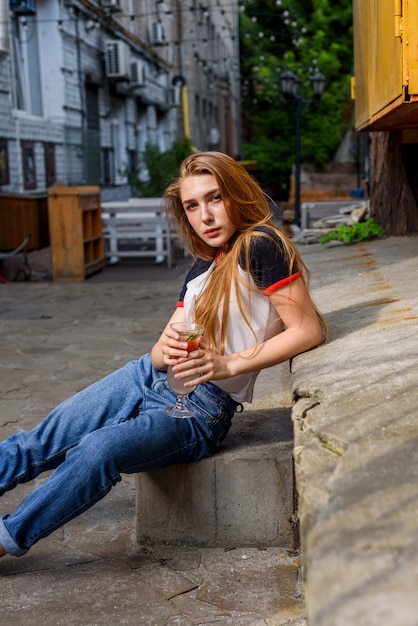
<point x="56" y="339"/>
<point x="356" y="457"/>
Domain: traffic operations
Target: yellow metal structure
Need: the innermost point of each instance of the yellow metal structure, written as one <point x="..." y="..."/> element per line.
<point x="385" y="85"/>
<point x="186" y="117"/>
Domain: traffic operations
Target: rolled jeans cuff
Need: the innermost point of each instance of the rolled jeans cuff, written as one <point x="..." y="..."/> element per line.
<point x="8" y="542"/>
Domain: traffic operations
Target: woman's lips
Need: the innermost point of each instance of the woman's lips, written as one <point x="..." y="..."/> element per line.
<point x="213" y="232"/>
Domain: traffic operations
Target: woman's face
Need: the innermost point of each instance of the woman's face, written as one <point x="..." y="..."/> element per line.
<point x="205" y="210"/>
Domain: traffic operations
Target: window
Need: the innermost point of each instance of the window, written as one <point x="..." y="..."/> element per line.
<point x="142" y="133"/>
<point x="29" y="167"/>
<point x="132" y="161"/>
<point x="50" y="174"/>
<point x="92" y="107"/>
<point x="27" y="79"/>
<point x="107" y="166"/>
<point x="4" y="162"/>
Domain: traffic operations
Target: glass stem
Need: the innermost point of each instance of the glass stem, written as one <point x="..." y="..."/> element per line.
<point x="180" y="403"/>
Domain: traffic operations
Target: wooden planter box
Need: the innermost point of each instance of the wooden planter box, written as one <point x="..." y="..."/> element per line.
<point x="22" y="215"/>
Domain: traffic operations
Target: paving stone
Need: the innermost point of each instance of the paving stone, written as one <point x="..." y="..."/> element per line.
<point x="55" y="340"/>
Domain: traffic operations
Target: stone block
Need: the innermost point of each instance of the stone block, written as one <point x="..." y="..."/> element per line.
<point x="242" y="496"/>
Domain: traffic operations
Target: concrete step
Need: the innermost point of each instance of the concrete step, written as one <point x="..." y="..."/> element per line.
<point x="243" y="495"/>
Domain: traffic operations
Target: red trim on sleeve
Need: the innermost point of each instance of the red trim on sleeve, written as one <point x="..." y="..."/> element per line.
<point x="180" y="304"/>
<point x="282" y="283"/>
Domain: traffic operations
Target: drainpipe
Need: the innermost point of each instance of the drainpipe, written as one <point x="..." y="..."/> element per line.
<point x="238" y="113"/>
<point x="185" y="111"/>
<point x="186" y="118"/>
<point x="80" y="74"/>
<point x="179" y="81"/>
<point x="19" y="155"/>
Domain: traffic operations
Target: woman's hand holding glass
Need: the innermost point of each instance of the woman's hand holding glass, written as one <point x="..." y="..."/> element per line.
<point x="189" y="338"/>
<point x="200" y="365"/>
<point x="182" y="355"/>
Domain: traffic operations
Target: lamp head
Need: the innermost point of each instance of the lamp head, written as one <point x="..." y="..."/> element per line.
<point x="290" y="84"/>
<point x="318" y="81"/>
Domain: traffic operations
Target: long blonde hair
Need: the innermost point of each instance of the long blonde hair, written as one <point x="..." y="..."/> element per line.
<point x="247" y="207"/>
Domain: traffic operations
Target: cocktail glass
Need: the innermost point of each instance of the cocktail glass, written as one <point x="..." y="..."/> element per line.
<point x="191" y="333"/>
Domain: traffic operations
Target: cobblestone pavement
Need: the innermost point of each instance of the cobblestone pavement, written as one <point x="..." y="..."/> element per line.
<point x="56" y="339"/>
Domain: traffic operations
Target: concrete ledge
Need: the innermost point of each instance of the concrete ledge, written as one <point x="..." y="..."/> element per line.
<point x="242" y="496"/>
<point x="356" y="437"/>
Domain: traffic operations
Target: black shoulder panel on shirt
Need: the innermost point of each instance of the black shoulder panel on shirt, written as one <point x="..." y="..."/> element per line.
<point x="200" y="266"/>
<point x="269" y="262"/>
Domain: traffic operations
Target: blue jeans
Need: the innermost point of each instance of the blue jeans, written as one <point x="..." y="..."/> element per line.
<point x="117" y="425"/>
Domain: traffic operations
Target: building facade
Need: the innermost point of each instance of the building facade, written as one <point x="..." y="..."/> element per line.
<point x="85" y="86"/>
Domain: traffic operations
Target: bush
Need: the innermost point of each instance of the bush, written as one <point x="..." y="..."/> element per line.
<point x="362" y="231"/>
<point x="161" y="168"/>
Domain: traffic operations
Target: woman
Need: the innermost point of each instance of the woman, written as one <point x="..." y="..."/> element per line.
<point x="247" y="287"/>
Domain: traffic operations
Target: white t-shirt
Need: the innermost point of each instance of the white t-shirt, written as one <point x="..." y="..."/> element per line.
<point x="269" y="272"/>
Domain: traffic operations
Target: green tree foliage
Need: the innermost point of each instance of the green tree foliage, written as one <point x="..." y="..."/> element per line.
<point x="156" y="169"/>
<point x="302" y="36"/>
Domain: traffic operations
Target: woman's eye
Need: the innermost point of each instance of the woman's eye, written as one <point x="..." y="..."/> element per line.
<point x="217" y="197"/>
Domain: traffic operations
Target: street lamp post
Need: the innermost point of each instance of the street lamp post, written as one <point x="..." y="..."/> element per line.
<point x="291" y="91"/>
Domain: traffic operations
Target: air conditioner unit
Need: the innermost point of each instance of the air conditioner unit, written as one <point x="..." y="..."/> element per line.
<point x="112" y="5"/>
<point x="117" y="59"/>
<point x="157" y="34"/>
<point x="137" y="73"/>
<point x="22" y="7"/>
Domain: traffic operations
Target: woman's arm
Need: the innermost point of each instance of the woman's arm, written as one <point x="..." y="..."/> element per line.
<point x="302" y="332"/>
